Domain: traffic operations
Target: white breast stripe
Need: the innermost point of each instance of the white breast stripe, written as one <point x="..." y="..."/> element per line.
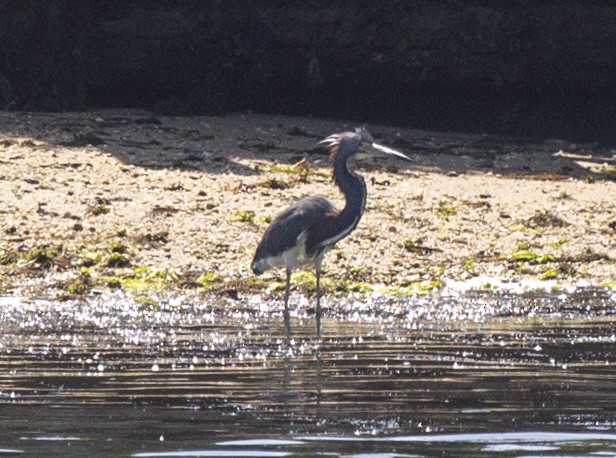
<point x="343" y="234"/>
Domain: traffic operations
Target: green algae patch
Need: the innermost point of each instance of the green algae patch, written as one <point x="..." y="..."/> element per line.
<point x="81" y="284"/>
<point x="118" y="246"/>
<point x="90" y="258"/>
<point x="118" y="260"/>
<point x="41" y="257"/>
<point x="445" y="209"/>
<point x="149" y="278"/>
<point x="207" y="280"/>
<point x="9" y="257"/>
<point x="530" y="257"/>
<point x="141" y="278"/>
<point x="413" y="289"/>
<point x="469" y="267"/>
<point x="245" y="216"/>
<point x="549" y="274"/>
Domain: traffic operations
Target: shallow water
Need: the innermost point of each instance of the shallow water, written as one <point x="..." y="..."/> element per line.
<point x="454" y="376"/>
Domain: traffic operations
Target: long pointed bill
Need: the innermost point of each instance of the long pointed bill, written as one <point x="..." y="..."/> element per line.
<point x="391" y="152"/>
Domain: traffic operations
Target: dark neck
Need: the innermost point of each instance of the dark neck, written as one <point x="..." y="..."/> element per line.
<point x="353" y="187"/>
<point x="338" y="225"/>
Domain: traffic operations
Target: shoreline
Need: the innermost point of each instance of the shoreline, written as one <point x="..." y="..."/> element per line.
<point x="131" y="200"/>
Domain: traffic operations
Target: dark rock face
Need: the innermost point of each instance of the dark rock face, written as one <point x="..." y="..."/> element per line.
<point x="525" y="67"/>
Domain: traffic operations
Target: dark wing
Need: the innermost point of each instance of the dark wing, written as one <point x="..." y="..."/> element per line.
<point x="285" y="231"/>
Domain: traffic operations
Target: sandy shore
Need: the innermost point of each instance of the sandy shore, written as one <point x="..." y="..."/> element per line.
<point x="132" y="200"/>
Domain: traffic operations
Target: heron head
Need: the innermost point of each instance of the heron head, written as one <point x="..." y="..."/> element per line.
<point x="359" y="141"/>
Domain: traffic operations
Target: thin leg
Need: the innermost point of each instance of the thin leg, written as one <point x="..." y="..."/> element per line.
<point x="287" y="320"/>
<point x="318" y="310"/>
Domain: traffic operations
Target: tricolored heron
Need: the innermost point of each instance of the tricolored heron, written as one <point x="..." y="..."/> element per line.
<point x="302" y="234"/>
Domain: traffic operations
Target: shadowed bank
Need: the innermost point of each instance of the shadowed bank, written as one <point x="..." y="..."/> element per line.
<point x="533" y="69"/>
